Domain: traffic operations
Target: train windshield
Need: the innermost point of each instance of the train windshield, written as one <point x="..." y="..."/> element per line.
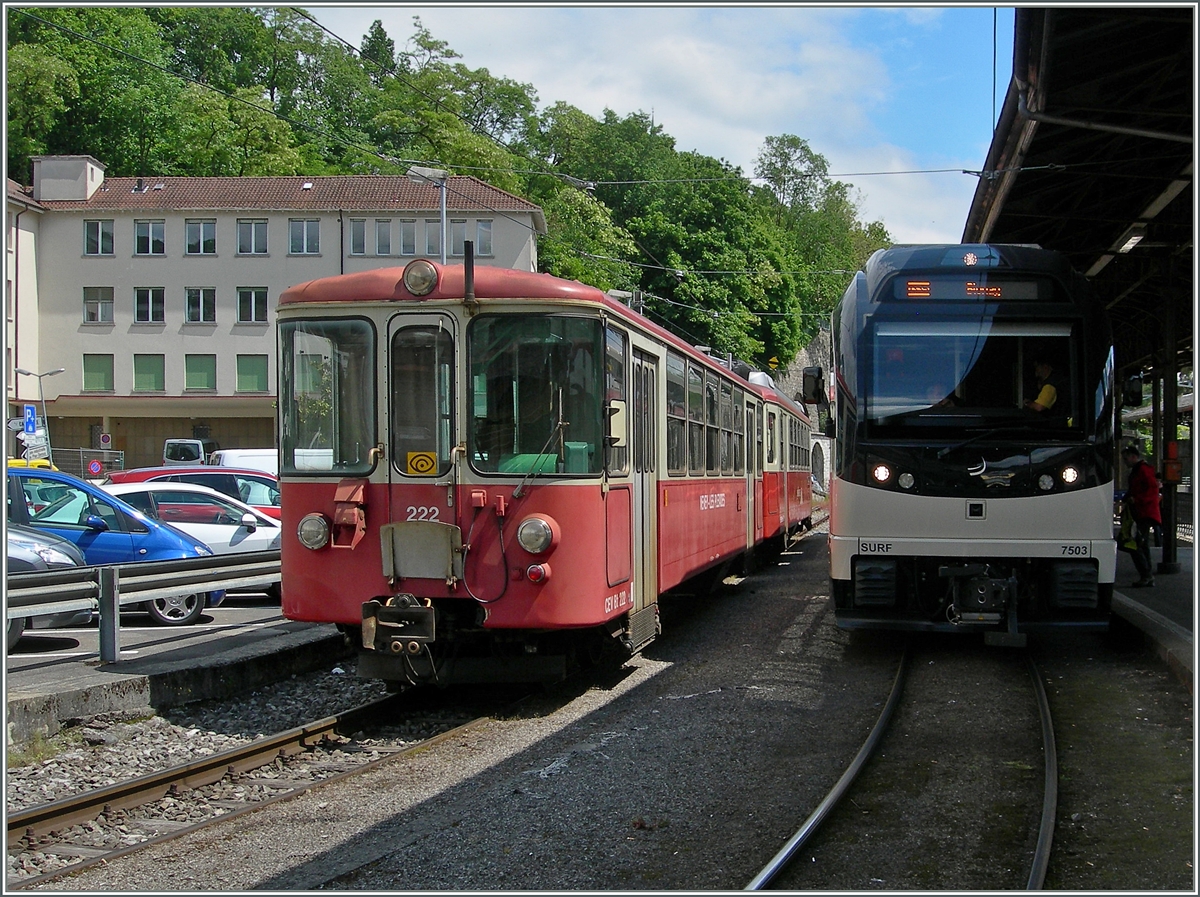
<point x="960" y="374"/>
<point x="327" y="396"/>
<point x="536" y="386"/>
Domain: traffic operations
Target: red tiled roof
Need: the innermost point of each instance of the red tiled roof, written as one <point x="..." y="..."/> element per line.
<point x="21" y="193"/>
<point x="367" y="193"/>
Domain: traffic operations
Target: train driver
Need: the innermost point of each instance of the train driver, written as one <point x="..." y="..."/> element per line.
<point x="1049" y="386"/>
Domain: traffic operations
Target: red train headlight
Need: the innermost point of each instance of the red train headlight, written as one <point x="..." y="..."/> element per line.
<point x="537" y="535"/>
<point x="420" y="277"/>
<point x="313" y="531"/>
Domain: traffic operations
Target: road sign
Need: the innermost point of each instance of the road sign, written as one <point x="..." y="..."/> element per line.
<point x="34" y="452"/>
<point x="16" y="424"/>
<point x="95" y="468"/>
<point x="106" y="440"/>
<point x="30" y="418"/>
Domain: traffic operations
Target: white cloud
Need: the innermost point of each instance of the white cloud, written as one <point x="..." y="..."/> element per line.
<point x="718" y="79"/>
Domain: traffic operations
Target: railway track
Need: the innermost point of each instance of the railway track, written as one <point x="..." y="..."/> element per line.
<point x="99" y="825"/>
<point x="815" y="820"/>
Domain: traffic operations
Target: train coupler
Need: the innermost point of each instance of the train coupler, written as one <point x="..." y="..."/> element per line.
<point x="978" y="597"/>
<point x="402" y="625"/>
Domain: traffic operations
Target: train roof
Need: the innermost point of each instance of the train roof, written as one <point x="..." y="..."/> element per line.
<point x="490" y="282"/>
<point x="967" y="257"/>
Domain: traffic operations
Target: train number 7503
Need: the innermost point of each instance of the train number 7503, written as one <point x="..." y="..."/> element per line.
<point x="1075" y="550"/>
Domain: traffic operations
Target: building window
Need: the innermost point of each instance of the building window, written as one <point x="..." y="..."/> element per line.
<point x="458" y="236"/>
<point x="149" y="305"/>
<point x="483" y="237"/>
<point x="305" y="236"/>
<point x="252" y="236"/>
<point x="408" y="238"/>
<point x="97" y="305"/>
<point x="149" y="373"/>
<point x="97" y="373"/>
<point x="98" y="237"/>
<point x="252" y="373"/>
<point x="201" y="236"/>
<point x="200" y="372"/>
<point x="201" y="305"/>
<point x="358" y="236"/>
<point x="150" y="237"/>
<point x="252" y="305"/>
<point x="383" y="237"/>
<point x="433" y="237"/>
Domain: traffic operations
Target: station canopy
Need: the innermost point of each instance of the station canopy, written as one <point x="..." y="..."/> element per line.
<point x="1094" y="156"/>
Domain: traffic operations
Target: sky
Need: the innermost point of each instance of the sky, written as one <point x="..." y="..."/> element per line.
<point x="911" y="92"/>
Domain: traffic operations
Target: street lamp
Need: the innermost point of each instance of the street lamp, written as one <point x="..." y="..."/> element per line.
<point x="42" y="399"/>
<point x="437" y="176"/>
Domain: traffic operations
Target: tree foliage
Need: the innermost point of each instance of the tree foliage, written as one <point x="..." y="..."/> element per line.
<point x="746" y="265"/>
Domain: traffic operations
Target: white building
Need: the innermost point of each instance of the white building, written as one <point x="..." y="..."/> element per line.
<point x="156" y="296"/>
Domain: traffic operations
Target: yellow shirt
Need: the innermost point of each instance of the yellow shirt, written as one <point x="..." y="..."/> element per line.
<point x="1047" y="396"/>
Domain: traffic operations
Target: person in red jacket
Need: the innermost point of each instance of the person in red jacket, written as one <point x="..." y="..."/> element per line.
<point x="1141" y="498"/>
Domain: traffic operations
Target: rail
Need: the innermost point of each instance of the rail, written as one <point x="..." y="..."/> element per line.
<point x="105" y="590"/>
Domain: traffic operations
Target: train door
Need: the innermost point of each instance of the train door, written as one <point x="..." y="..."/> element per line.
<point x="422" y="535"/>
<point x="644" y="440"/>
<point x="753" y="487"/>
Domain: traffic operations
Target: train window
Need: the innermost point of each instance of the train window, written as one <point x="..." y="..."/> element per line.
<point x="726" y="427"/>
<point x="616" y="391"/>
<point x="739" y="432"/>
<point x="758" y="438"/>
<point x="770" y="437"/>
<point x="695" y="419"/>
<point x="676" y="414"/>
<point x="712" y="425"/>
<point x="537" y="392"/>
<point x="968" y="374"/>
<point x="327" y="397"/>
<point x="422" y="399"/>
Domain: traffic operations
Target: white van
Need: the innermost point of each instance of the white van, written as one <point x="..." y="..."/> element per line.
<point x="188" y="451"/>
<point x="264" y="459"/>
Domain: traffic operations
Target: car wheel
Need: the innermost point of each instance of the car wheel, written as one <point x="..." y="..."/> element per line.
<point x="178" y="610"/>
<point x="16" y="628"/>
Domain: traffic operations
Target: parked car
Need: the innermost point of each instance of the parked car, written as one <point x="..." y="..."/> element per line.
<point x="224" y="524"/>
<point x="264" y="459"/>
<point x="188" y="451"/>
<point x="106" y="530"/>
<point x="30" y="551"/>
<point x="254" y="487"/>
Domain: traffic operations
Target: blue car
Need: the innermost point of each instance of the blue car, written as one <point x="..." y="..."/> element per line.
<point x="107" y="531"/>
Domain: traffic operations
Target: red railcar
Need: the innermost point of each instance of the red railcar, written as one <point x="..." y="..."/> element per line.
<point x="489" y="474"/>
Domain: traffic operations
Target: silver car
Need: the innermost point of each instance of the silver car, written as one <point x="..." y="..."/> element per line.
<point x="31" y="551"/>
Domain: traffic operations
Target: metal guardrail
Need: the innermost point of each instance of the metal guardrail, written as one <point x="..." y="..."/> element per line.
<point x="107" y="589"/>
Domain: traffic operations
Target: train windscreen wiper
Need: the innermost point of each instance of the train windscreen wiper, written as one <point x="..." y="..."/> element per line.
<point x="986" y="434"/>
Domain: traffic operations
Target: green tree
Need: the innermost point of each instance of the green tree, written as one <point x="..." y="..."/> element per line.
<point x="378" y="51"/>
<point x="41" y="87"/>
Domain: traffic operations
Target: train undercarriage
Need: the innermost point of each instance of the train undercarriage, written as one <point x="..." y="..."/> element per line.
<point x="406" y="641"/>
<point x="1002" y="597"/>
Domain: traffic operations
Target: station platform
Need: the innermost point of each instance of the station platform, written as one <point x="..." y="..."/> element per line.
<point x="43" y="697"/>
<point x="1166" y="611"/>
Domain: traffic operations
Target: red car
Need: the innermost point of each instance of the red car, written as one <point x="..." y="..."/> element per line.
<point x="253" y="487"/>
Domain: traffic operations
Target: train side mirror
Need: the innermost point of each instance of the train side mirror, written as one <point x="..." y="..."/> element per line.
<point x="617" y="427"/>
<point x="1131" y="393"/>
<point x="813" y="389"/>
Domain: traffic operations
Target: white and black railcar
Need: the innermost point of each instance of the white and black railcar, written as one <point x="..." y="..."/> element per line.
<point x="954" y="504"/>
